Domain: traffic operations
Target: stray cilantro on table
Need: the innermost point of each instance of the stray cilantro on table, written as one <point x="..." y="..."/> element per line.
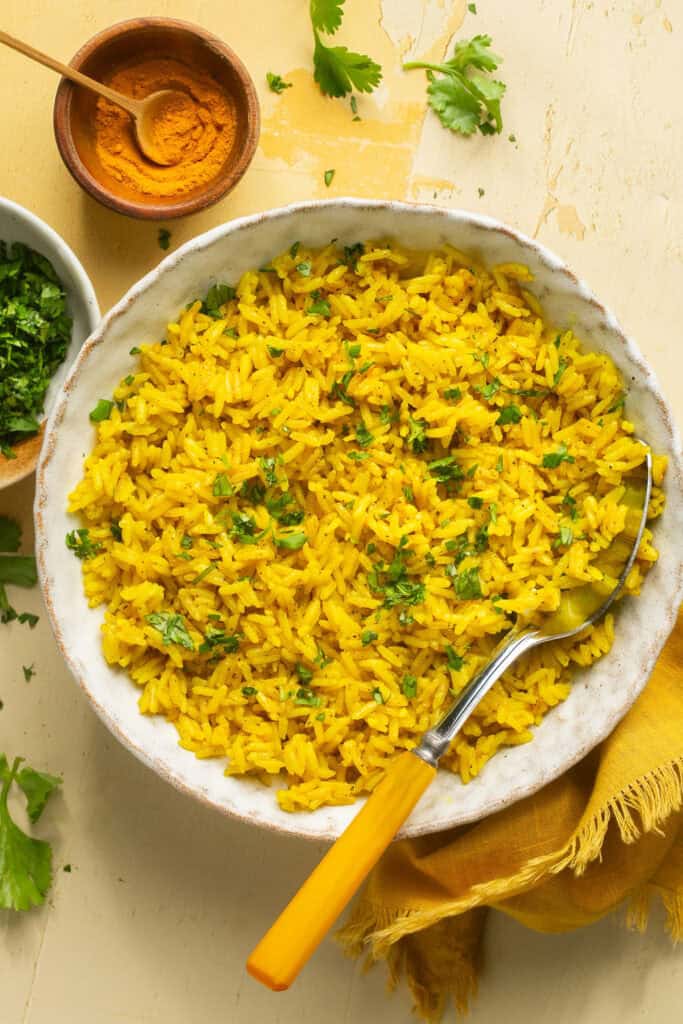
<point x="29" y="672"/>
<point x="25" y="862"/>
<point x="463" y="99"/>
<point x="35" y="331"/>
<point x="164" y="238"/>
<point x="472" y="8"/>
<point x="328" y="176"/>
<point x="336" y="69"/>
<point x="15" y="570"/>
<point x="276" y="83"/>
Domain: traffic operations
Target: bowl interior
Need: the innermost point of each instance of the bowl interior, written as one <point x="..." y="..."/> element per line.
<point x="599" y="697"/>
<point x="20" y="225"/>
<point x="127" y="44"/>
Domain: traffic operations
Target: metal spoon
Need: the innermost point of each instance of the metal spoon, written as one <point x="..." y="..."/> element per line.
<point x="145" y="113"/>
<point x="305" y="921"/>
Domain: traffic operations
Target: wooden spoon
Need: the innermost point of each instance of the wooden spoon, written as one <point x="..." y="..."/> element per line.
<point x="145" y="113"/>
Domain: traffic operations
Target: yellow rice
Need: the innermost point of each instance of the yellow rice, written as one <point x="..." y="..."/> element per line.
<point x="304" y="699"/>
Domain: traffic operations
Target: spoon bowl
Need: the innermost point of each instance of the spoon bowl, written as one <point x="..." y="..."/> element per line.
<point x="152" y="116"/>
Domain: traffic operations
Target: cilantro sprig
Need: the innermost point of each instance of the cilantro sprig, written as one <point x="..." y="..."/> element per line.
<point x="337" y="70"/>
<point x="463" y="99"/>
<point x="25" y="862"/>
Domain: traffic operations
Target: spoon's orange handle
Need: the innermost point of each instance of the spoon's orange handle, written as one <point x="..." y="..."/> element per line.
<point x="305" y="921"/>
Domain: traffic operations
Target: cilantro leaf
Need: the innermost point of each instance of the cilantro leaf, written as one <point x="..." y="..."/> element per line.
<point x="243" y="528"/>
<point x="319" y="306"/>
<point x="409" y="686"/>
<point x="454" y="104"/>
<point x="455" y="660"/>
<point x="509" y="414"/>
<point x="10" y="534"/>
<point x="445" y="470"/>
<point x="326" y="15"/>
<point x="37" y="787"/>
<point x="417" y="438"/>
<point x="338" y="71"/>
<point x="217" y="641"/>
<point x="368" y="636"/>
<point x="25" y="863"/>
<point x="172" y="628"/>
<point x="19" y="570"/>
<point x="363" y="435"/>
<point x="466" y="583"/>
<point x="291" y="541"/>
<point x="328" y="176"/>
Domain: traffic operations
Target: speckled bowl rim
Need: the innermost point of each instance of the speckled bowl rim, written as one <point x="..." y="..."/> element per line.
<point x="656" y="638"/>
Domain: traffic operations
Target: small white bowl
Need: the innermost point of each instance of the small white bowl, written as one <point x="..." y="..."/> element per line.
<point x="17" y="224"/>
<point x="599" y="696"/>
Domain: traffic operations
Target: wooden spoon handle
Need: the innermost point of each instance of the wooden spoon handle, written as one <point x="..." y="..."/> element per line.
<point x="132" y="106"/>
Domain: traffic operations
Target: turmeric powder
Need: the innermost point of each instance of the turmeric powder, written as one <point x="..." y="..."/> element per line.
<point x="196" y="135"/>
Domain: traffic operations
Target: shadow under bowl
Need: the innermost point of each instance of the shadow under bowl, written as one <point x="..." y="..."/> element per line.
<point x="128" y="43"/>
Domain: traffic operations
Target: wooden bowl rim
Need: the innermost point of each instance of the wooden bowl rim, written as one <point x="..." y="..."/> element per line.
<point x="223" y="183"/>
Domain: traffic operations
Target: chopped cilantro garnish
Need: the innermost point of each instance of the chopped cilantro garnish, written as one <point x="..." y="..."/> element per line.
<point x="387" y="415"/>
<point x="267" y="464"/>
<point x="276" y="83"/>
<point x="561" y="367"/>
<point x="218" y="641"/>
<point x="481" y="357"/>
<point x="377" y="695"/>
<point x="445" y="470"/>
<point x="79" y="542"/>
<point x="319" y="306"/>
<point x="475" y="502"/>
<point x="452" y="394"/>
<point x="455" y="661"/>
<point x="279" y="510"/>
<point x="487" y="391"/>
<point x="564" y="538"/>
<point x="217" y="296"/>
<point x="493" y="512"/>
<point x="243" y="528"/>
<point x="306" y="697"/>
<point x="115" y="530"/>
<point x="202" y="575"/>
<point x="249" y="691"/>
<point x="499" y="464"/>
<point x="551" y="460"/>
<point x="29" y="672"/>
<point x="417" y="438"/>
<point x="408" y="494"/>
<point x="321" y="659"/>
<point x="102" y="410"/>
<point x="305" y="268"/>
<point x="569" y="503"/>
<point x="358" y="456"/>
<point x="394" y="582"/>
<point x="35" y="330"/>
<point x="135" y="351"/>
<point x="368" y="636"/>
<point x="353" y="351"/>
<point x="339" y="389"/>
<point x="275" y="352"/>
<point x="222" y="488"/>
<point x="304" y="674"/>
<point x="291" y="541"/>
<point x="352" y="253"/>
<point x="466" y="583"/>
<point x="509" y="414"/>
<point x="363" y="435"/>
<point x="172" y="628"/>
<point x="618" y="404"/>
<point x="409" y="686"/>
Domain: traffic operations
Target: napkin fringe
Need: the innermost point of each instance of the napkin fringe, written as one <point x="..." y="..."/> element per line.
<point x="641" y="807"/>
<point x="640" y="905"/>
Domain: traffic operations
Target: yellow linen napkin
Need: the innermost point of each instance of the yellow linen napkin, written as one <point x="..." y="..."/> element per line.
<point x="610" y="831"/>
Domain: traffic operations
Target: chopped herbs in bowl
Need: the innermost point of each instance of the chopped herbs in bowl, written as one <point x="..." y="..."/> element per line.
<point x="47" y="309"/>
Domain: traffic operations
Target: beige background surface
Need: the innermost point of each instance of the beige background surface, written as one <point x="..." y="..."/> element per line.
<point x="165" y="899"/>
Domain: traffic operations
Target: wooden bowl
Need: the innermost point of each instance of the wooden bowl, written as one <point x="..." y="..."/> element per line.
<point x="140" y="39"/>
<point x="17" y="224"/>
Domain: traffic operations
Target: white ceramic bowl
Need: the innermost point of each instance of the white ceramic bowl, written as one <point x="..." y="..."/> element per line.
<point x="17" y="224"/>
<point x="599" y="697"/>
